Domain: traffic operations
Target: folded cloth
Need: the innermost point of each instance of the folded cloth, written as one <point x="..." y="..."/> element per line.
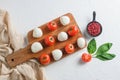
<point x="11" y="41"/>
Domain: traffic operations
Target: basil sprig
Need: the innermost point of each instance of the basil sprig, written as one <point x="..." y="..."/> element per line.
<point x="101" y="52"/>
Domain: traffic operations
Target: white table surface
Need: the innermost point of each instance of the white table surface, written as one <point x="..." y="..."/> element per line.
<point x="27" y="14"/>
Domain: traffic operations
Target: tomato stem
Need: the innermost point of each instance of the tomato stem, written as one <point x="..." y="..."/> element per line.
<point x="93" y="55"/>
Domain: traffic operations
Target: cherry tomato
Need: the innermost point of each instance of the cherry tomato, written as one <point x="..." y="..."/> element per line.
<point x="73" y="30"/>
<point x="52" y="25"/>
<point x="44" y="59"/>
<point x="69" y="48"/>
<point x="86" y="57"/>
<point x="49" y="40"/>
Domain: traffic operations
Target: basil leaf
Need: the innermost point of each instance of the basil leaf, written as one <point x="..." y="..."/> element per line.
<point x="91" y="48"/>
<point x="103" y="48"/>
<point x="101" y="57"/>
<point x="109" y="56"/>
<point x="106" y="56"/>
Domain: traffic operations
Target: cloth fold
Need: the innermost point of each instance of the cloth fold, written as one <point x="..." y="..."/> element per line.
<point x="11" y="41"/>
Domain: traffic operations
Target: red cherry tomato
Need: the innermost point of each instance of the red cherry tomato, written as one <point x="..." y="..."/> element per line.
<point x="73" y="30"/>
<point x="44" y="59"/>
<point x="49" y="40"/>
<point x="69" y="48"/>
<point x="52" y="25"/>
<point x="86" y="57"/>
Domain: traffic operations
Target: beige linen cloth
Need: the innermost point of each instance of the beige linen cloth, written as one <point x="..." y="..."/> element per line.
<point x="11" y="41"/>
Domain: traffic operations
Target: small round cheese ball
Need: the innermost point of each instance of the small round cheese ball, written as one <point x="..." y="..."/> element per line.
<point x="36" y="47"/>
<point x="62" y="36"/>
<point x="57" y="54"/>
<point x="81" y="42"/>
<point x="37" y="32"/>
<point x="65" y="20"/>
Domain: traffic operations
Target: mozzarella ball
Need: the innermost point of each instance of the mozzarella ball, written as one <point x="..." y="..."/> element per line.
<point x="36" y="47"/>
<point x="81" y="42"/>
<point x="57" y="54"/>
<point x="64" y="20"/>
<point x="62" y="36"/>
<point x="37" y="32"/>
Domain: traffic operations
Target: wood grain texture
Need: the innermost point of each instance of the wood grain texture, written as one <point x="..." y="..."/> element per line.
<point x="25" y="54"/>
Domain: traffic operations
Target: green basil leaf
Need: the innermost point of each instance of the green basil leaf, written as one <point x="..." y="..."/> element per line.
<point x="91" y="48"/>
<point x="101" y="57"/>
<point x="109" y="56"/>
<point x="103" y="48"/>
<point x="106" y="56"/>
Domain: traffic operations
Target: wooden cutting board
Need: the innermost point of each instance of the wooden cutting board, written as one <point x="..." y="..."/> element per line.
<point x="26" y="54"/>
